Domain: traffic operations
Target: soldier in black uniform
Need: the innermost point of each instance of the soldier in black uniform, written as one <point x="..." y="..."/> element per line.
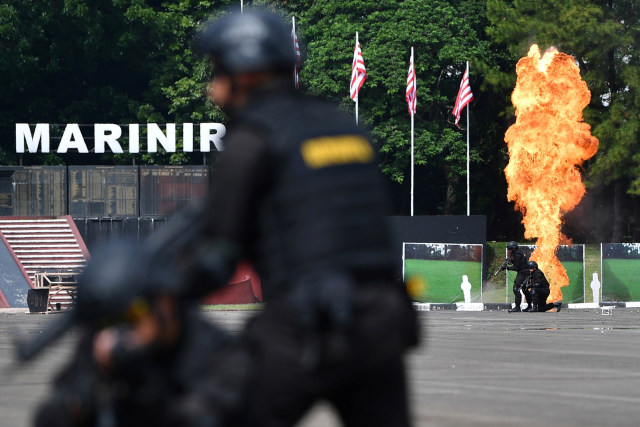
<point x="518" y="263"/>
<point x="539" y="288"/>
<point x="297" y="191"/>
<point x="145" y="356"/>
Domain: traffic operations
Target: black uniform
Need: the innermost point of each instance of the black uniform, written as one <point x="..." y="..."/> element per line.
<point x="297" y="189"/>
<point x="183" y="386"/>
<point x="539" y="286"/>
<point x="519" y="264"/>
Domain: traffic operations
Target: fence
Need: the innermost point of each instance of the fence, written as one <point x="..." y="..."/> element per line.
<point x="100" y="191"/>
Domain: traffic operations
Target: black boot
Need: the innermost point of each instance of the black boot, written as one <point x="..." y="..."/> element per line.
<point x="558" y="306"/>
<point x="515" y="309"/>
<point x="531" y="309"/>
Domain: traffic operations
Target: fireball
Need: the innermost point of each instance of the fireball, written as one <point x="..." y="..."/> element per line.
<point x="547" y="145"/>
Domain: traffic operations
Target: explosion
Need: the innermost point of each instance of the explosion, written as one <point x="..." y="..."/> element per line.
<point x="547" y="145"/>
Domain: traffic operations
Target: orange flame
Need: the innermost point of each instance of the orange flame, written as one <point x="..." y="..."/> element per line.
<point x="547" y="145"/>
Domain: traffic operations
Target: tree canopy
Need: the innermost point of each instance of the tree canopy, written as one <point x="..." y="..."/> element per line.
<point x="444" y="34"/>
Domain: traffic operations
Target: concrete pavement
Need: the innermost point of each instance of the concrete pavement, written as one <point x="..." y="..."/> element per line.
<point x="485" y="368"/>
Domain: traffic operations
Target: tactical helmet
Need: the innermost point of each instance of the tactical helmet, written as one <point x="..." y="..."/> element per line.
<point x="255" y="40"/>
<point x="512" y="245"/>
<point x="532" y="264"/>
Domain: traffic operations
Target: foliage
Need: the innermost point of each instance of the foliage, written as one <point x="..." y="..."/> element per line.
<point x="120" y="61"/>
<point x="601" y="35"/>
<point x="444" y="35"/>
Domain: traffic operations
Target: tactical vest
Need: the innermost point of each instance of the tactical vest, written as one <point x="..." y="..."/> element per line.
<point x="325" y="206"/>
<point x="524" y="266"/>
<point x="538" y="277"/>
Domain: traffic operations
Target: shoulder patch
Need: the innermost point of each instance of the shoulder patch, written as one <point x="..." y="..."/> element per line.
<point x="336" y="150"/>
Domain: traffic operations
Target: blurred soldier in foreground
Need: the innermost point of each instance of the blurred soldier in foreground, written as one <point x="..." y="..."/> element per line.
<point x="539" y="288"/>
<point x="145" y="357"/>
<point x="297" y="191"/>
<point x="517" y="261"/>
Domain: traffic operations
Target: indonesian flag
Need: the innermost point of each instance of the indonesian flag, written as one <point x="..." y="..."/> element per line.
<point x="464" y="95"/>
<point x="411" y="87"/>
<point x="358" y="72"/>
<point x="296" y="47"/>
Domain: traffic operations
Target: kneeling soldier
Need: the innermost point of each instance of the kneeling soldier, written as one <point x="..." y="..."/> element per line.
<point x="539" y="286"/>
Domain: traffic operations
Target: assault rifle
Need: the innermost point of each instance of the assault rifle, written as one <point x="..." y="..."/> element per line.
<point x="122" y="271"/>
<point x="502" y="267"/>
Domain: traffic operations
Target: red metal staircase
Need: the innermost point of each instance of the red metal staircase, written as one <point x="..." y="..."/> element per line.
<point x="50" y="251"/>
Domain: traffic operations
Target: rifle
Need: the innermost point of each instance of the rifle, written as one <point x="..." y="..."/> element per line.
<point x="120" y="272"/>
<point x="502" y="267"/>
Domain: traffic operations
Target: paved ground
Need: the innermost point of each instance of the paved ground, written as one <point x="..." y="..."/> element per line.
<point x="573" y="368"/>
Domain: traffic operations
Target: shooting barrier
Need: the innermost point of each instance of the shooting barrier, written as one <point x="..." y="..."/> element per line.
<point x="572" y="259"/>
<point x="620" y="272"/>
<point x="433" y="271"/>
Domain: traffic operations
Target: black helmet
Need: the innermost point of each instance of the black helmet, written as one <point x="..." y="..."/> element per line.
<point x="255" y="40"/>
<point x="532" y="264"/>
<point x="512" y="245"/>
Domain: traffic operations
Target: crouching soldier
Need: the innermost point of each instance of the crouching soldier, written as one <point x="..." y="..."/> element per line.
<point x="538" y="285"/>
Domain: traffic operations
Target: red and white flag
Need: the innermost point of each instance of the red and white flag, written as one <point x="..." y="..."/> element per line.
<point x="358" y="72"/>
<point x="464" y="95"/>
<point x="411" y="87"/>
<point x="296" y="47"/>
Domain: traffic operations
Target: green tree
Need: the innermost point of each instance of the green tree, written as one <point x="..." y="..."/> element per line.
<point x="444" y="35"/>
<point x="601" y="35"/>
<point x="90" y="61"/>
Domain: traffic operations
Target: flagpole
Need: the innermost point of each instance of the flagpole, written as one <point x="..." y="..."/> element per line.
<point x="412" y="162"/>
<point x="468" y="187"/>
<point x="358" y="95"/>
<point x="293" y="22"/>
<point x="462" y="100"/>
<point x="412" y="147"/>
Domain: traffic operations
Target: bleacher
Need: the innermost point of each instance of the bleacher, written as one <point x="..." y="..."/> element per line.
<point x="51" y="253"/>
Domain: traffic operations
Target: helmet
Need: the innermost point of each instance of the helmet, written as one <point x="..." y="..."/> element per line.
<point x="255" y="40"/>
<point x="512" y="245"/>
<point x="532" y="264"/>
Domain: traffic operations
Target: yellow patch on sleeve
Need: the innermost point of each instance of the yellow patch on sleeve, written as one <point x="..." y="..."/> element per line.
<point x="336" y="150"/>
